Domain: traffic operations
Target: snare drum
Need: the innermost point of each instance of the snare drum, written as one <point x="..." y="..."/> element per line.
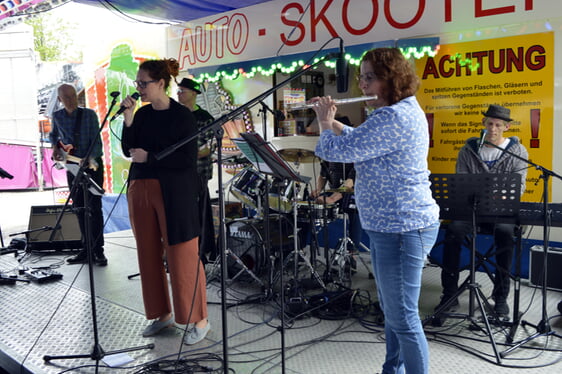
<point x="246" y="187"/>
<point x="281" y="195"/>
<point x="307" y="212"/>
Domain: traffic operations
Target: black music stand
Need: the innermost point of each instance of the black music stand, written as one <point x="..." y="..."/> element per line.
<point x="492" y="197"/>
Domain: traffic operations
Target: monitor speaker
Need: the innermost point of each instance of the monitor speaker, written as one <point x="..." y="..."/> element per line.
<point x="554" y="264"/>
<point x="41" y="221"/>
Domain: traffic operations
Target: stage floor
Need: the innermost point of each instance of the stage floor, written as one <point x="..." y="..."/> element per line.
<point x="55" y="319"/>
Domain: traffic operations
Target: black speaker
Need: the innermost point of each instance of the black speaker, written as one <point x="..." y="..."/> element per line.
<point x="554" y="264"/>
<point x="43" y="218"/>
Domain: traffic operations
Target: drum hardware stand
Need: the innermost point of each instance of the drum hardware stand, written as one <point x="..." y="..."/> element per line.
<point x="314" y="246"/>
<point x="89" y="186"/>
<point x="341" y="257"/>
<point x="490" y="195"/>
<point x="297" y="252"/>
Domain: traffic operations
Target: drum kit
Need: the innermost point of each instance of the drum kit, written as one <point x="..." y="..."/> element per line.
<point x="275" y="204"/>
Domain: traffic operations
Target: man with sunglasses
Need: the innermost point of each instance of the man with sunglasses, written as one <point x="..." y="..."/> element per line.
<point x="187" y="91"/>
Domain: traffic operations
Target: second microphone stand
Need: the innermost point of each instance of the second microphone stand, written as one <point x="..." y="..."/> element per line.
<point x="82" y="178"/>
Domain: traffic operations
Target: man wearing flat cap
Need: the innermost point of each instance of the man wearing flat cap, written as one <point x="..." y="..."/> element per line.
<point x="188" y="90"/>
<point x="475" y="158"/>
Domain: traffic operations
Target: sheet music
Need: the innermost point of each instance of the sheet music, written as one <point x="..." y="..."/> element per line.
<point x="256" y="160"/>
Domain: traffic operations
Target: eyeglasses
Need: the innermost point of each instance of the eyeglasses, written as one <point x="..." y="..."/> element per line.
<point x="367" y="77"/>
<point x="180" y="91"/>
<point x="143" y="84"/>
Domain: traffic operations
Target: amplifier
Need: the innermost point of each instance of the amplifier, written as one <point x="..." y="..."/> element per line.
<point x="43" y="218"/>
<point x="554" y="264"/>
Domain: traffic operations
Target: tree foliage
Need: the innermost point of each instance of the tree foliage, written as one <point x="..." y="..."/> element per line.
<point x="53" y="38"/>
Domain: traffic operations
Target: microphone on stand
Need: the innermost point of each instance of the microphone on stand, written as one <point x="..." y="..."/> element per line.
<point x="342" y="70"/>
<point x="482" y="139"/>
<point x="135" y="96"/>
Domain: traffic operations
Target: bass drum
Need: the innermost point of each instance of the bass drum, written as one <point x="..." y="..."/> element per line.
<point x="245" y="239"/>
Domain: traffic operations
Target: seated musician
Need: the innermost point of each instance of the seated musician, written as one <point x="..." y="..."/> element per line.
<point x="476" y="158"/>
<point x="340" y="178"/>
<point x="337" y="176"/>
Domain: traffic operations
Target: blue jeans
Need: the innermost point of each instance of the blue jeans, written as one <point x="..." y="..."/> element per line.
<point x="398" y="260"/>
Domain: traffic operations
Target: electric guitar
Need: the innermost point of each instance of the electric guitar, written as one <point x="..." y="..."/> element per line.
<point x="62" y="154"/>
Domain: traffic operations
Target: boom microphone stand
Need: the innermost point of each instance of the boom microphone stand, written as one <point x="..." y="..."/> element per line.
<point x="543" y="326"/>
<point x="89" y="186"/>
<point x="216" y="126"/>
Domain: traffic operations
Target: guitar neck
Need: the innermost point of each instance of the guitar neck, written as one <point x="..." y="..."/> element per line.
<point x="72" y="158"/>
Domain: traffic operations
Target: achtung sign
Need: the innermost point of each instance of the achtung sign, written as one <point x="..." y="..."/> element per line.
<point x="461" y="81"/>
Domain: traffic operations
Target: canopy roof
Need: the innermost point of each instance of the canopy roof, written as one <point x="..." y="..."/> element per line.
<point x="174" y="10"/>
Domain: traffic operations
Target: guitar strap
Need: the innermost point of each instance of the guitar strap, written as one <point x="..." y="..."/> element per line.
<point x="77" y="129"/>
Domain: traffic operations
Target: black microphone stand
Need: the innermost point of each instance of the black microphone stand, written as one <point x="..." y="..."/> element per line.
<point x="216" y="126"/>
<point x="543" y="326"/>
<point x="266" y="221"/>
<point x="88" y="185"/>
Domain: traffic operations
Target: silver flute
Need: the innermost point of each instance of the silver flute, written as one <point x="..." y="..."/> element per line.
<point x="299" y="106"/>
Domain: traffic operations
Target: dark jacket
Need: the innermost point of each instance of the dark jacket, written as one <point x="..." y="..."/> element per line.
<point x="469" y="161"/>
<point x="154" y="131"/>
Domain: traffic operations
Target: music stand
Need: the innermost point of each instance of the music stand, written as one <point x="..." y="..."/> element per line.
<point x="491" y="198"/>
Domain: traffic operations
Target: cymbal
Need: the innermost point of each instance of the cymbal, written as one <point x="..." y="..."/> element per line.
<point x="297" y="155"/>
<point x="342" y="189"/>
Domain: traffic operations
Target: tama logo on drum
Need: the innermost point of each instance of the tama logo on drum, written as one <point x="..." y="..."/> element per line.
<point x="242" y="234"/>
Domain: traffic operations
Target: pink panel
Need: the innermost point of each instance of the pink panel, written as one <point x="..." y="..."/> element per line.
<point x="18" y="161"/>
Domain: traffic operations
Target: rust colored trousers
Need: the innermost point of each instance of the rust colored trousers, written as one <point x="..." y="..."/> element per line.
<point x="187" y="274"/>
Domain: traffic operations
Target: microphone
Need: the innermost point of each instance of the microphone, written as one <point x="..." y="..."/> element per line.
<point x="135" y="96"/>
<point x="482" y="140"/>
<point x="114" y="94"/>
<point x="342" y="70"/>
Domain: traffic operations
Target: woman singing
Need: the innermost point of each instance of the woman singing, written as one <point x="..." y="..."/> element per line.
<point x="162" y="198"/>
